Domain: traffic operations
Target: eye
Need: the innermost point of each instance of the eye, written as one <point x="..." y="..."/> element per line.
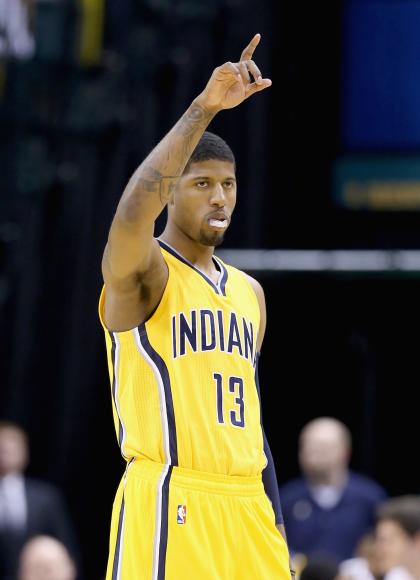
<point x="229" y="184"/>
<point x="201" y="184"/>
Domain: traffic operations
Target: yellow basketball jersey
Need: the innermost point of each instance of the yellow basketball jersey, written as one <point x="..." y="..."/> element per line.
<point x="183" y="383"/>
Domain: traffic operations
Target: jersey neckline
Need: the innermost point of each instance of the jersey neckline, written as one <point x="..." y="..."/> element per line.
<point x="220" y="286"/>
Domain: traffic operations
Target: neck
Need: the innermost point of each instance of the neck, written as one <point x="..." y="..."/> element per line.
<point x="334" y="478"/>
<point x="7" y="473"/>
<point x="196" y="253"/>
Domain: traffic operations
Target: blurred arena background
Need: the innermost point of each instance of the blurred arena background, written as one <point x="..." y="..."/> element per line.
<point x="327" y="217"/>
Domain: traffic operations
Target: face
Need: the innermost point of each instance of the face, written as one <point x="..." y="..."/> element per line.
<point x="46" y="560"/>
<point x="204" y="200"/>
<point x="13" y="450"/>
<point x="322" y="450"/>
<point x="393" y="545"/>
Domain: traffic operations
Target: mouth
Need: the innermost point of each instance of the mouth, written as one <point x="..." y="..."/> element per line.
<point x="218" y="224"/>
<point x="218" y="221"/>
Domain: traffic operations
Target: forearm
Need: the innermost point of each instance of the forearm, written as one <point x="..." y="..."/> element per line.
<point x="272" y="491"/>
<point x="151" y="186"/>
<point x="270" y="483"/>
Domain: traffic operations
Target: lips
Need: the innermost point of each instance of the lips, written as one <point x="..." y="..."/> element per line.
<point x="218" y="215"/>
<point x="218" y="220"/>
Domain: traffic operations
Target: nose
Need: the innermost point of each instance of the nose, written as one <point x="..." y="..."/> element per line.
<point x="217" y="197"/>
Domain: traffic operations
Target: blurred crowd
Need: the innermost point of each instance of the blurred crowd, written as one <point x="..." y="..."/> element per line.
<point x="37" y="540"/>
<point x="340" y="524"/>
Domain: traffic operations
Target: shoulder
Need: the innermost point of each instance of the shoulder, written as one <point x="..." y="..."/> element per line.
<point x="259" y="293"/>
<point x="252" y="282"/>
<point x="258" y="290"/>
<point x="241" y="274"/>
<point x="366" y="487"/>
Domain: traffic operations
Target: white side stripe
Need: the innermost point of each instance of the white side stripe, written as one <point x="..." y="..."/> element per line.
<point x="120" y="553"/>
<point x="117" y="387"/>
<point x="158" y="523"/>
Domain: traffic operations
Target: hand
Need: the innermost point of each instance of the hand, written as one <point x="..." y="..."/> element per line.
<point x="230" y="84"/>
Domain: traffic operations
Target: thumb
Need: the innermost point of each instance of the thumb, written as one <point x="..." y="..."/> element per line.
<point x="254" y="88"/>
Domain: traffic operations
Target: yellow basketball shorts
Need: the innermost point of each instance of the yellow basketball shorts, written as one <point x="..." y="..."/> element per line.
<point x="170" y="523"/>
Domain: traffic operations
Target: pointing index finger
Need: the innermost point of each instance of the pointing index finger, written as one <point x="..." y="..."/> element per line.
<point x="249" y="50"/>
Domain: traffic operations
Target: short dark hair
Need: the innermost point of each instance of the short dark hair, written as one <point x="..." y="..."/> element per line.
<point x="211" y="146"/>
<point x="404" y="511"/>
<point x="320" y="568"/>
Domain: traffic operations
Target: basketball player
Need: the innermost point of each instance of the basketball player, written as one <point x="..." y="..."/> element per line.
<point x="183" y="333"/>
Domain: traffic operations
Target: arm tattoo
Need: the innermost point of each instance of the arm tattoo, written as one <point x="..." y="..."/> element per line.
<point x="173" y="153"/>
<point x="194" y="119"/>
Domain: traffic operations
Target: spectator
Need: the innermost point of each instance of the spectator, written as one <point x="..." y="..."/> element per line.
<point x="329" y="508"/>
<point x="365" y="565"/>
<point x="28" y="507"/>
<point x="320" y="569"/>
<point x="395" y="551"/>
<point x="45" y="558"/>
<point x="398" y="537"/>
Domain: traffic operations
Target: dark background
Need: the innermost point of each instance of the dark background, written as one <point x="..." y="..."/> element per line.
<point x="72" y="132"/>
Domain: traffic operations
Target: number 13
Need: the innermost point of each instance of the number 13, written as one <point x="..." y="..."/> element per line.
<point x="236" y="385"/>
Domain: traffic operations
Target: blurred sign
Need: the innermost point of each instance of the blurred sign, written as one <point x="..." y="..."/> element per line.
<point x="381" y="75"/>
<point x="382" y="184"/>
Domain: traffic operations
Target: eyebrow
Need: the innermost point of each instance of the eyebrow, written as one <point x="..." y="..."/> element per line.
<point x="232" y="178"/>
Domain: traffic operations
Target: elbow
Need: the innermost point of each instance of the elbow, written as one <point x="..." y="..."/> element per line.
<point x="129" y="210"/>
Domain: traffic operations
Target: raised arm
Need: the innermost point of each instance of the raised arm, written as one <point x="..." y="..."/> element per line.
<point x="134" y="271"/>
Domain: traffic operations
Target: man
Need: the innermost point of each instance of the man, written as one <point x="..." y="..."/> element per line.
<point x="45" y="558"/>
<point x="330" y="508"/>
<point x="319" y="569"/>
<point x="27" y="506"/>
<point x="183" y="334"/>
<point x="398" y="538"/>
<point x="365" y="565"/>
<point x="395" y="551"/>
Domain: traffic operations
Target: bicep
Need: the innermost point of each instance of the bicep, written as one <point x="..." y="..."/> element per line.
<point x="135" y="275"/>
<point x="130" y="252"/>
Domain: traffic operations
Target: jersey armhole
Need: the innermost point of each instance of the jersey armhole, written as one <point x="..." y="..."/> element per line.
<point x="155" y="312"/>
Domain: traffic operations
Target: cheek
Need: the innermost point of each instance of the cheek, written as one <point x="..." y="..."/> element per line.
<point x="232" y="200"/>
<point x="185" y="214"/>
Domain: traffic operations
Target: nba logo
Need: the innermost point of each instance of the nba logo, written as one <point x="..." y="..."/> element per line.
<point x="181" y="517"/>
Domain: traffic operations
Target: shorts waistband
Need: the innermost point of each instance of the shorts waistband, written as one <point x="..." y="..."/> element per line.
<point x="198" y="480"/>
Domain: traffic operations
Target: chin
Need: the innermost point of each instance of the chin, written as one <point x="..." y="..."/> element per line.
<point x="211" y="239"/>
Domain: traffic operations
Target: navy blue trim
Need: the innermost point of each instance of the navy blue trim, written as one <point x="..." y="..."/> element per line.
<point x="118" y="542"/>
<point x="269" y="472"/>
<point x="163" y="543"/>
<point x="181" y="258"/>
<point x="163" y="371"/>
<point x="114" y="383"/>
<point x="224" y="278"/>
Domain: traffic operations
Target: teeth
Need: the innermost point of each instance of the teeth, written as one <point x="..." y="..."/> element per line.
<point x="217" y="223"/>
